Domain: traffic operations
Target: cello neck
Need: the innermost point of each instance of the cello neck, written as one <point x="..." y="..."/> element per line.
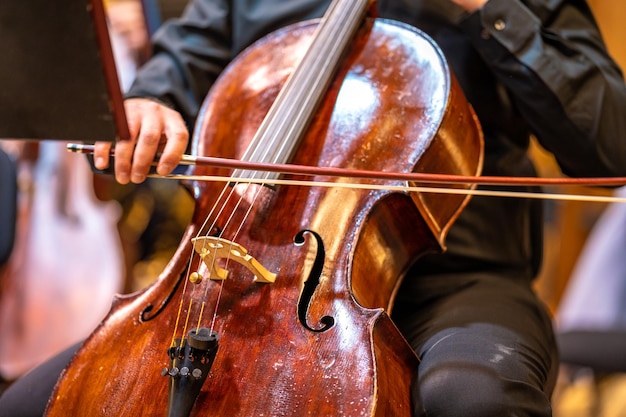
<point x="281" y="130"/>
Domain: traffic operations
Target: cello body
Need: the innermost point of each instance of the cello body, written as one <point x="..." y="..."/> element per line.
<point x="318" y="341"/>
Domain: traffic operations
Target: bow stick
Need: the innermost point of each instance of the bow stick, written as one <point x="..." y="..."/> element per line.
<point x="414" y="177"/>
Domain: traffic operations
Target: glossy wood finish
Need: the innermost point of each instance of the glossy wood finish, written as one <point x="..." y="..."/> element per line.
<point x="391" y="103"/>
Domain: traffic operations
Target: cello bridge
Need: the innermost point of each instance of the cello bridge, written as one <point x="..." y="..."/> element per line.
<point x="211" y="249"/>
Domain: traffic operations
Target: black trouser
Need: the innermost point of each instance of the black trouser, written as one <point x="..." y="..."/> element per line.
<point x="486" y="346"/>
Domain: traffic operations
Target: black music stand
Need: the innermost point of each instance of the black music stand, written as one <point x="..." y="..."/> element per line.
<point x="57" y="73"/>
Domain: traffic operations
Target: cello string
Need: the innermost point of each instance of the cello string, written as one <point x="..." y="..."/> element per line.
<point x="281" y="120"/>
<point x="234" y="238"/>
<point x="325" y="53"/>
<point x="213" y="261"/>
<point x="193" y="253"/>
<point x="231" y="240"/>
<point x="220" y="236"/>
<point x="287" y="116"/>
<point x="304" y="95"/>
<point x="187" y="279"/>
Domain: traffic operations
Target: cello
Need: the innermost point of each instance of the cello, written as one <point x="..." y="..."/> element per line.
<point x="277" y="300"/>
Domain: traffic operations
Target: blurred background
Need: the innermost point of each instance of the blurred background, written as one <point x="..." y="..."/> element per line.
<point x="149" y="220"/>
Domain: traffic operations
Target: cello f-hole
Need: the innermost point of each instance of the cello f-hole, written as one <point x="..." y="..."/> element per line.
<point x="311" y="283"/>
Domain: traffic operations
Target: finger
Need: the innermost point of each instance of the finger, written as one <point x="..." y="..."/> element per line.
<point x="133" y="109"/>
<point x="177" y="139"/>
<point x="101" y="154"/>
<point x="123" y="156"/>
<point x="147" y="145"/>
<point x="124" y="149"/>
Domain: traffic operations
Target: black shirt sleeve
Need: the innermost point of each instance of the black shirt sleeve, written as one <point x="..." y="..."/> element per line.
<point x="552" y="59"/>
